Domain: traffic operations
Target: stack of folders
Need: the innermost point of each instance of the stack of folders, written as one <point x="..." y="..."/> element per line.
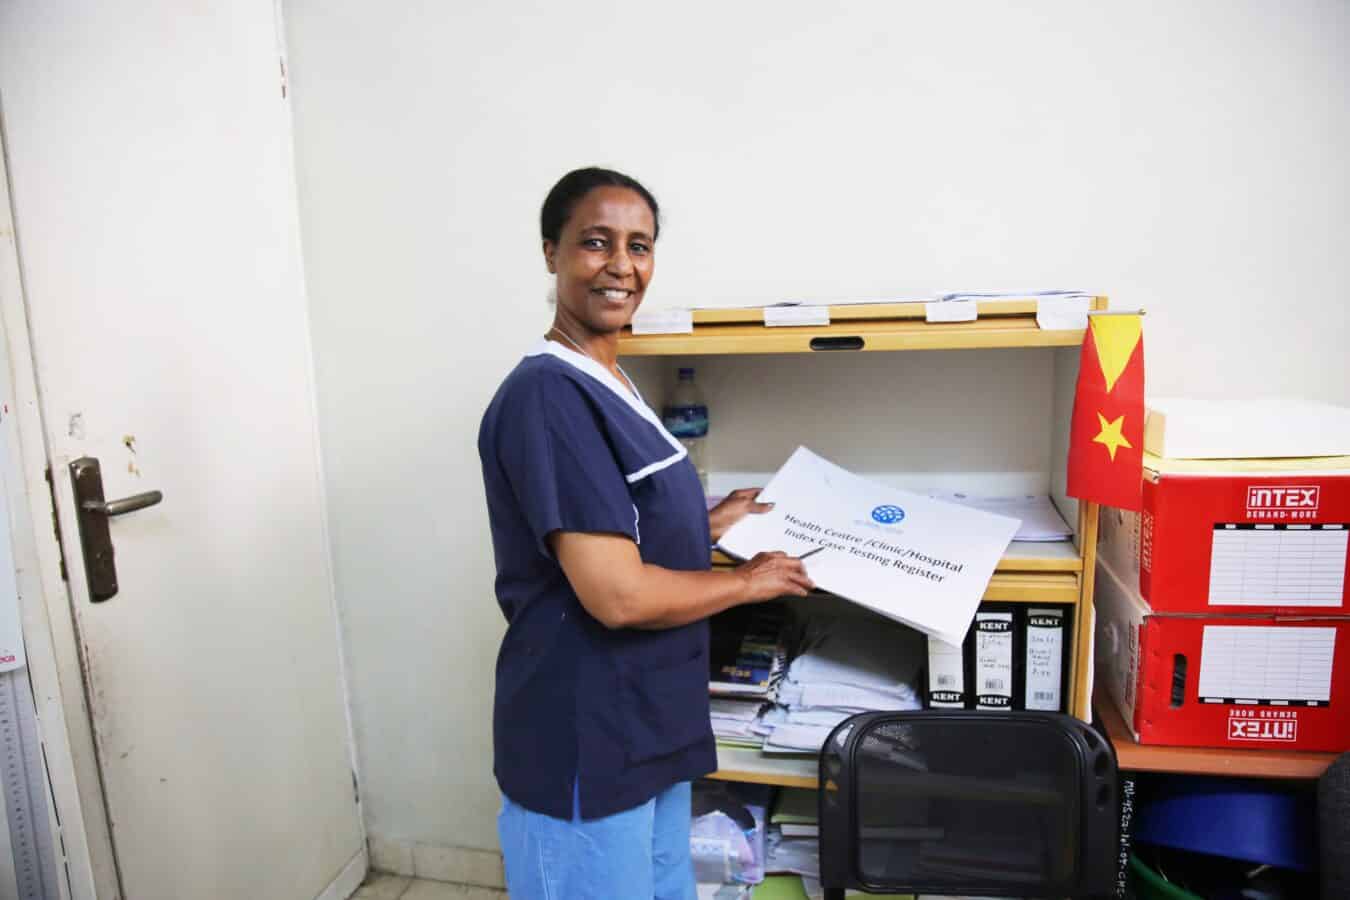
<point x="1014" y="657"/>
<point x="793" y="845"/>
<point x="847" y="664"/>
<point x="1041" y="521"/>
<point x="792" y="863"/>
<point x="747" y="659"/>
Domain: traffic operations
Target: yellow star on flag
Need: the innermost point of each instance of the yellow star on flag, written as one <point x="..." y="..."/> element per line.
<point x="1110" y="435"/>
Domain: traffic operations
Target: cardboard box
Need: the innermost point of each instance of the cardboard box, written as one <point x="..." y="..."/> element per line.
<point x="1254" y="681"/>
<point x="1236" y="536"/>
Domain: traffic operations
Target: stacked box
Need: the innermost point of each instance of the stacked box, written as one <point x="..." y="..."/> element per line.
<point x="1223" y="615"/>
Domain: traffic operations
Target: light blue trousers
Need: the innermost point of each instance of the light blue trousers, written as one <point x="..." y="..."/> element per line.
<point x="638" y="854"/>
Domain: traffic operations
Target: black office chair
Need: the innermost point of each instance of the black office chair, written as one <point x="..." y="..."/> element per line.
<point x="1333" y="815"/>
<point x="1016" y="804"/>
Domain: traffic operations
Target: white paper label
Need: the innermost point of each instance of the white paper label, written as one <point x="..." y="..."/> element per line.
<point x="1257" y="664"/>
<point x="946" y="676"/>
<point x="796" y="315"/>
<point x="664" y="321"/>
<point x="951" y="311"/>
<point x="1045" y="658"/>
<point x="1278" y="565"/>
<point x="993" y="660"/>
<point x="1062" y="313"/>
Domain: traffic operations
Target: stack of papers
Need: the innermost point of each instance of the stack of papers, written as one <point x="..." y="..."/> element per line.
<point x="736" y="722"/>
<point x="1011" y="295"/>
<point x="793" y="847"/>
<point x="795" y="813"/>
<point x="798" y="855"/>
<point x="1040" y="520"/>
<point x="1054" y="309"/>
<point x="849" y="665"/>
<point x="817" y="302"/>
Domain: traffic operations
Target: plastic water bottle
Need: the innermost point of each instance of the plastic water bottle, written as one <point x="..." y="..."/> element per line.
<point x="686" y="416"/>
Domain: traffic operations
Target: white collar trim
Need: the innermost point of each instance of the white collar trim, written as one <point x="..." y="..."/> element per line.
<point x="592" y="368"/>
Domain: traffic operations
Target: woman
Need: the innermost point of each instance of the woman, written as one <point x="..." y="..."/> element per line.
<point x="601" y="536"/>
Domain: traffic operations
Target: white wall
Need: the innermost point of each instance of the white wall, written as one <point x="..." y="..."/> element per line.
<point x="1189" y="159"/>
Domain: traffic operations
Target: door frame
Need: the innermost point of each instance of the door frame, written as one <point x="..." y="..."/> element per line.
<point x="88" y="870"/>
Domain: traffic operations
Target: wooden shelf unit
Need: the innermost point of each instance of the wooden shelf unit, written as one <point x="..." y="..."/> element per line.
<point x="742" y="764"/>
<point x="1136" y="757"/>
<point x="853" y="328"/>
<point x="1053" y="573"/>
<point x="755" y="767"/>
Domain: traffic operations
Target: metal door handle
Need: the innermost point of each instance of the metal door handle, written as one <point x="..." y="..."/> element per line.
<point x="123" y="506"/>
<point x="95" y="536"/>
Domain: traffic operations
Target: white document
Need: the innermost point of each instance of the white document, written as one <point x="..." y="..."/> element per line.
<point x="1040" y="520"/>
<point x="846" y="696"/>
<point x="1010" y="295"/>
<point x="1252" y="428"/>
<point x="832" y="301"/>
<point x="738" y="710"/>
<point x="910" y="558"/>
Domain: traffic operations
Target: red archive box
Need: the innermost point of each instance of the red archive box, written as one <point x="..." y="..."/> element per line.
<point x="1260" y="681"/>
<point x="1236" y="537"/>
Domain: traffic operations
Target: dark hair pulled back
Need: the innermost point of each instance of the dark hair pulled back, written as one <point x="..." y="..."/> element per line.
<point x="569" y="190"/>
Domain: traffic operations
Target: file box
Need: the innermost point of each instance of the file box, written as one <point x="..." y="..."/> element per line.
<point x="1259" y="680"/>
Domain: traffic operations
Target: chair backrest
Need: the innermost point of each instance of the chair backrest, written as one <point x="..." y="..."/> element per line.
<point x="1333" y="815"/>
<point x="1016" y="804"/>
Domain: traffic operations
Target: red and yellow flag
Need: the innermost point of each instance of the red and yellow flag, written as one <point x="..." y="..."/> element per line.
<point x="1106" y="441"/>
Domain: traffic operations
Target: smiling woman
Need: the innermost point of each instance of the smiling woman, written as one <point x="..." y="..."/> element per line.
<point x="600" y="232"/>
<point x="601" y="535"/>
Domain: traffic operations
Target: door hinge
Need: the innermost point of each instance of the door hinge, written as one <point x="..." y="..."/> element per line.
<point x="356" y="788"/>
<point x="56" y="524"/>
<point x="283" y="78"/>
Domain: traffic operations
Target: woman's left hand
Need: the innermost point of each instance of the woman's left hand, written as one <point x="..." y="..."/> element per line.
<point x="737" y="505"/>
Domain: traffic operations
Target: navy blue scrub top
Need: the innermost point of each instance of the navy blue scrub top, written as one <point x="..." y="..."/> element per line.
<point x="566" y="446"/>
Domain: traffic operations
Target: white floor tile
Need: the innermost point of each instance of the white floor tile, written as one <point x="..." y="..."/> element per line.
<point x="458" y="865"/>
<point x="380" y="886"/>
<point x="384" y="886"/>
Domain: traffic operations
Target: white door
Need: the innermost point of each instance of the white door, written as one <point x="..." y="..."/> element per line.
<point x="149" y="157"/>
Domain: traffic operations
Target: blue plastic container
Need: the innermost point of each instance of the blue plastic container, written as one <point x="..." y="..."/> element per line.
<point x="1253" y="821"/>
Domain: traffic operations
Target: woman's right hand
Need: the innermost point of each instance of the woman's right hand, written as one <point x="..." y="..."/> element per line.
<point x="771" y="575"/>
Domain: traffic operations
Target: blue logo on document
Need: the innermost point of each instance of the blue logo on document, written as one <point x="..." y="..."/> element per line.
<point x="888" y="515"/>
